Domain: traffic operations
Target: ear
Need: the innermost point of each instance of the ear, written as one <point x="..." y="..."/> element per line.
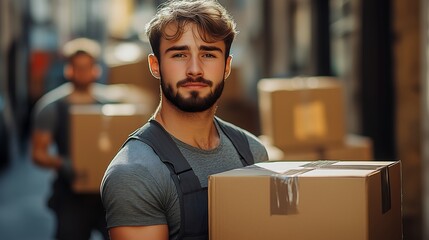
<point x="96" y="71"/>
<point x="228" y="66"/>
<point x="154" y="65"/>
<point x="68" y="71"/>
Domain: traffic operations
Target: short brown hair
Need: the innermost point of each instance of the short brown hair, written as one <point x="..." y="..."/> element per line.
<point x="212" y="20"/>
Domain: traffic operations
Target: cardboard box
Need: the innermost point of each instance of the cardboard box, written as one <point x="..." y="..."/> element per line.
<point x="136" y="73"/>
<point x="129" y="93"/>
<point x="302" y="112"/>
<point x="321" y="200"/>
<point x="97" y="133"/>
<point x="355" y="148"/>
<point x="234" y="89"/>
<point x="277" y="154"/>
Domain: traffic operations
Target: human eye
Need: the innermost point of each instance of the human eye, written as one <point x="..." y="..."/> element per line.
<point x="209" y="55"/>
<point x="178" y="55"/>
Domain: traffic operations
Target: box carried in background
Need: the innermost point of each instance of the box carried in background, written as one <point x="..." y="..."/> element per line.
<point x="302" y="112"/>
<point x="321" y="200"/>
<point x="97" y="133"/>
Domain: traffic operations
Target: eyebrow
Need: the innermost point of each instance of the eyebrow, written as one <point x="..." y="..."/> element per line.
<point x="210" y="48"/>
<point x="177" y="48"/>
<point x="185" y="47"/>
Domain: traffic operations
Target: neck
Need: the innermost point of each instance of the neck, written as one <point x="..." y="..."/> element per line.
<point x="82" y="96"/>
<point x="195" y="129"/>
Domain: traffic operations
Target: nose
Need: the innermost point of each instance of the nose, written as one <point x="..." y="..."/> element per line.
<point x="194" y="68"/>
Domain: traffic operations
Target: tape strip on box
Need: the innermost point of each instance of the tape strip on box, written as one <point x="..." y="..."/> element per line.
<point x="284" y="192"/>
<point x="284" y="187"/>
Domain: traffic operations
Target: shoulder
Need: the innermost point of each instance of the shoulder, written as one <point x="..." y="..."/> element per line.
<point x="101" y="93"/>
<point x="136" y="166"/>
<point x="44" y="114"/>
<point x="256" y="147"/>
<point x="47" y="102"/>
<point x="137" y="189"/>
<point x="136" y="157"/>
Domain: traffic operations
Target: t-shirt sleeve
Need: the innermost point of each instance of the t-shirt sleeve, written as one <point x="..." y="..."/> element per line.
<point x="258" y="150"/>
<point x="44" y="113"/>
<point x="137" y="189"/>
<point x="45" y="118"/>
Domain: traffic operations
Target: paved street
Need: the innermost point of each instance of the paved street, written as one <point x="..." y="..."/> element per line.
<point x="24" y="190"/>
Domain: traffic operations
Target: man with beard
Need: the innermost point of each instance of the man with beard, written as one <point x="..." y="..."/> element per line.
<point x="156" y="186"/>
<point x="77" y="214"/>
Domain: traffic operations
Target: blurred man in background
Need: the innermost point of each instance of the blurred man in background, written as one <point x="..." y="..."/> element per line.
<point x="77" y="214"/>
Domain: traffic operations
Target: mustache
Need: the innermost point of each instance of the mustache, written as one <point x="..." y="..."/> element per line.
<point x="194" y="80"/>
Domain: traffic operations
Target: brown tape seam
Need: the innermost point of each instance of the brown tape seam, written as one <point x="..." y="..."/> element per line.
<point x="284" y="187"/>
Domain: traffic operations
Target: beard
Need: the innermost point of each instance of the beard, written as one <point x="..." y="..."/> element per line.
<point x="81" y="87"/>
<point x="194" y="103"/>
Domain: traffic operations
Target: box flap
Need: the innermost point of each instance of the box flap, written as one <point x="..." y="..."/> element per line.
<point x="325" y="168"/>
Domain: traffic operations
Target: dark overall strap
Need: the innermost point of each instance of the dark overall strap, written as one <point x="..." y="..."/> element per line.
<point x="62" y="131"/>
<point x="239" y="140"/>
<point x="192" y="197"/>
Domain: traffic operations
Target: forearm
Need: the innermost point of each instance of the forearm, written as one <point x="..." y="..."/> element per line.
<point x="45" y="160"/>
<point x="154" y="232"/>
<point x="41" y="140"/>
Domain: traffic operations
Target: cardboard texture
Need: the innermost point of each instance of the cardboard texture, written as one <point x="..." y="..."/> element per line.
<point x="136" y="73"/>
<point x="355" y="148"/>
<point x="97" y="133"/>
<point x="321" y="200"/>
<point x="302" y="112"/>
<point x="130" y="93"/>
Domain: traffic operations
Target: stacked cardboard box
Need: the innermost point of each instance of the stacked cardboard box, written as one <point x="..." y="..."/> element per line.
<point x="305" y="118"/>
<point x="97" y="133"/>
<point x="135" y="73"/>
<point x="307" y="200"/>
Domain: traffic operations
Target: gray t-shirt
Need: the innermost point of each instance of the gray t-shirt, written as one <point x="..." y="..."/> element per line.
<point x="137" y="189"/>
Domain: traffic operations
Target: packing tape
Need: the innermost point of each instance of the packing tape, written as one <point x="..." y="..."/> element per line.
<point x="284" y="187"/>
<point x="285" y="192"/>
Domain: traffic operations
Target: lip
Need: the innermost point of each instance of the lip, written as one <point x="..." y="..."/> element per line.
<point x="194" y="85"/>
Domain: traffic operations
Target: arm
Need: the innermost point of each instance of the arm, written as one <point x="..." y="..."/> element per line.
<point x="40" y="152"/>
<point x="257" y="148"/>
<point x="139" y="196"/>
<point x="155" y="232"/>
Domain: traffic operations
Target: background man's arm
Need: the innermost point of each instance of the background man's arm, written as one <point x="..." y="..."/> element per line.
<point x="41" y="141"/>
<point x="155" y="232"/>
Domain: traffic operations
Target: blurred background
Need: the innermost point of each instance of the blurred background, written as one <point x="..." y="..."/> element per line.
<point x="377" y="50"/>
